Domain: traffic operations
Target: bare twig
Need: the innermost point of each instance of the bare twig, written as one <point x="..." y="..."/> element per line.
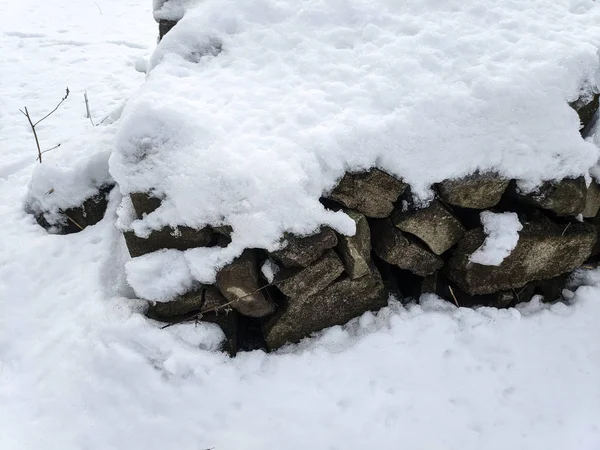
<point x="453" y="296"/>
<point x="37" y="141"/>
<point x="566" y="228"/>
<point x="54" y="110"/>
<point x="72" y="221"/>
<point x="88" y="114"/>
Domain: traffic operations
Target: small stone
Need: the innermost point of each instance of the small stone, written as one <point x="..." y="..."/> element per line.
<point x="183" y="307"/>
<point x="355" y="251"/>
<point x="592" y="201"/>
<point x="478" y="191"/>
<point x="239" y="283"/>
<point x="544" y="251"/>
<point x="182" y="238"/>
<point x="144" y="203"/>
<point x="565" y="197"/>
<point x="391" y="245"/>
<point x="586" y="108"/>
<point x="164" y="26"/>
<point x="302" y="251"/>
<point x="310" y="280"/>
<point x="335" y="305"/>
<point x="435" y="225"/>
<point x="371" y="193"/>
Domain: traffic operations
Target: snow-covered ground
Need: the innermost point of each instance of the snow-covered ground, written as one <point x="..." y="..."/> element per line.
<point x="80" y="368"/>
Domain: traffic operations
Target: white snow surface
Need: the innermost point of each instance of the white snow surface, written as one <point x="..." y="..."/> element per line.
<point x="502" y="230"/>
<point x="305" y="91"/>
<point x="81" y="368"/>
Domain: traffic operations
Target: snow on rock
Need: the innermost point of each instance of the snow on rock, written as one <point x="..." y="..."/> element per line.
<point x="502" y="230"/>
<point x="253" y="110"/>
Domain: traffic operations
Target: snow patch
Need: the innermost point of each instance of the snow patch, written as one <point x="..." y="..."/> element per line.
<point x="502" y="230"/>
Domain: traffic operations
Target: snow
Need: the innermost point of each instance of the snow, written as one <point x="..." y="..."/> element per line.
<point x="502" y="236"/>
<point x="81" y="368"/>
<point x="253" y="110"/>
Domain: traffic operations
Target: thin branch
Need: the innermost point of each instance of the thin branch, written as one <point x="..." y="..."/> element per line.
<point x="32" y="125"/>
<point x="76" y="224"/>
<point x="453" y="296"/>
<point x="54" y="110"/>
<point x="50" y="149"/>
<point x="88" y="114"/>
<point x="566" y="228"/>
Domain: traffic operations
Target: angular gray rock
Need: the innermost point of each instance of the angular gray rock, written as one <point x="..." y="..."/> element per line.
<point x="371" y="193"/>
<point x="565" y="197"/>
<point x="355" y="251"/>
<point x="239" y="283"/>
<point x="592" y="201"/>
<point x="164" y="26"/>
<point x="586" y="107"/>
<point x="311" y="279"/>
<point x="477" y="191"/>
<point x="435" y="225"/>
<point x="544" y="251"/>
<point x="182" y="238"/>
<point x="302" y="251"/>
<point x="335" y="305"/>
<point x="144" y="203"/>
<point x="90" y="212"/>
<point x="183" y="307"/>
<point x="391" y="245"/>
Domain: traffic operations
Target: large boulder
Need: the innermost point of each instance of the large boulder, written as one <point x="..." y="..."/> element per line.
<point x="544" y="251"/>
<point x="477" y="191"/>
<point x="435" y="225"/>
<point x="302" y="251"/>
<point x="181" y="238"/>
<point x="239" y="283"/>
<point x="355" y="251"/>
<point x="564" y="198"/>
<point x="391" y="245"/>
<point x="371" y="193"/>
<point x="334" y="305"/>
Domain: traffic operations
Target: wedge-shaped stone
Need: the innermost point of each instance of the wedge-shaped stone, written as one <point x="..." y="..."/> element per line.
<point x="565" y="197"/>
<point x="586" y="107"/>
<point x="182" y="238"/>
<point x="144" y="203"/>
<point x="335" y="305"/>
<point x="239" y="283"/>
<point x="435" y="225"/>
<point x="302" y="251"/>
<point x="544" y="251"/>
<point x="391" y="245"/>
<point x="478" y="191"/>
<point x="371" y="193"/>
<point x="310" y="280"/>
<point x="355" y="251"/>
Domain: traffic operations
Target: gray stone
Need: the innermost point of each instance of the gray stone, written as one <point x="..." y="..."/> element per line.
<point x="355" y="251"/>
<point x="565" y="197"/>
<point x="182" y="308"/>
<point x="586" y="106"/>
<point x="144" y="203"/>
<point x="544" y="251"/>
<point x="371" y="193"/>
<point x="164" y="26"/>
<point x="435" y="225"/>
<point x="239" y="283"/>
<point x="335" y="305"/>
<point x="592" y="201"/>
<point x="182" y="238"/>
<point x="302" y="251"/>
<point x="90" y="212"/>
<point x="391" y="245"/>
<point x="312" y="279"/>
<point x="478" y="191"/>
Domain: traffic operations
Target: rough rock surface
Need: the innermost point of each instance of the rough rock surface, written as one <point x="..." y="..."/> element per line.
<point x="144" y="203"/>
<point x="435" y="225"/>
<point x="371" y="193"/>
<point x="239" y="283"/>
<point x="544" y="251"/>
<point x="335" y="305"/>
<point x="565" y="197"/>
<point x="355" y="251"/>
<point x="182" y="238"/>
<point x="164" y="26"/>
<point x="478" y="191"/>
<point x="391" y="245"/>
<point x="177" y="310"/>
<point x="592" y="201"/>
<point x="310" y="280"/>
<point x="586" y="108"/>
<point x="302" y="251"/>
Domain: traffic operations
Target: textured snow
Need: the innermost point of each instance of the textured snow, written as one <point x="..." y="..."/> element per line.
<point x="303" y="91"/>
<point x="502" y="230"/>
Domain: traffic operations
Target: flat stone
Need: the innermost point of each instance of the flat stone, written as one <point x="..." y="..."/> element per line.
<point x="371" y="193"/>
<point x="544" y="251"/>
<point x="335" y="305"/>
<point x="310" y="280"/>
<point x="239" y="283"/>
<point x="355" y="251"/>
<point x="435" y="225"/>
<point x="302" y="251"/>
<point x="477" y="191"/>
<point x="391" y="245"/>
<point x="565" y="197"/>
<point x="185" y="306"/>
<point x="182" y="238"/>
<point x="586" y="107"/>
<point x="144" y="203"/>
<point x="592" y="201"/>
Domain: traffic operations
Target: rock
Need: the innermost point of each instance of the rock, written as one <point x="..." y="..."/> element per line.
<point x="592" y="201"/>
<point x="335" y="305"/>
<point x="302" y="251"/>
<point x="355" y="251"/>
<point x="586" y="108"/>
<point x="312" y="279"/>
<point x="391" y="245"/>
<point x="164" y="26"/>
<point x="144" y="203"/>
<point x="565" y="197"/>
<point x="371" y="193"/>
<point x="224" y="316"/>
<point x="239" y="283"/>
<point x="478" y="191"/>
<point x="544" y="251"/>
<point x="435" y="225"/>
<point x="182" y="238"/>
<point x="178" y="310"/>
